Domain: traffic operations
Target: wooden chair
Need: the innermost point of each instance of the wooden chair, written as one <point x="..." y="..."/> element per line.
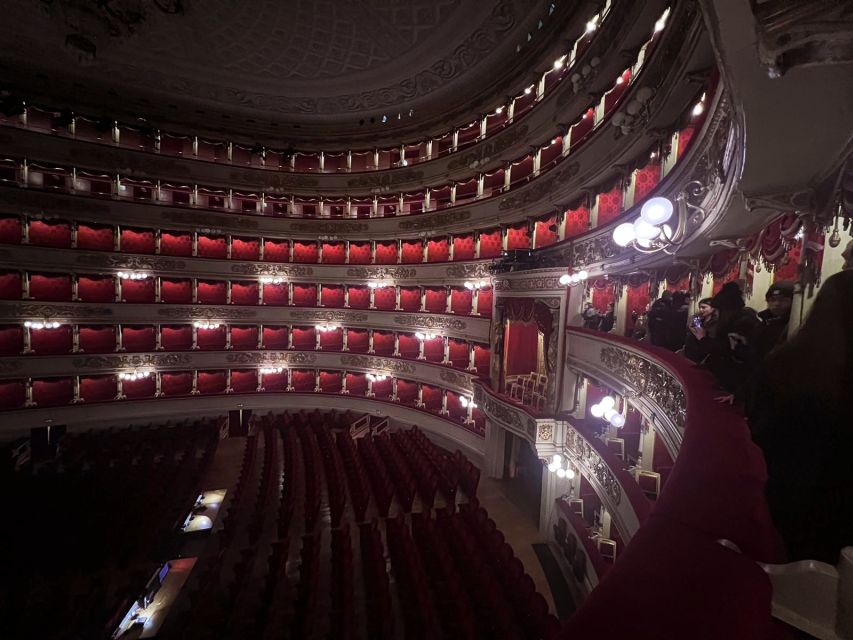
<point x="607" y="549"/>
<point x="617" y="446"/>
<point x="649" y="482"/>
<point x="576" y="506"/>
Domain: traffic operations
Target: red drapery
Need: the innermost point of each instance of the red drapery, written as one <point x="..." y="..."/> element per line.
<point x="531" y="311"/>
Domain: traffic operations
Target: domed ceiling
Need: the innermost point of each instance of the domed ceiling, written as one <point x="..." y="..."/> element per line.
<point x="269" y="61"/>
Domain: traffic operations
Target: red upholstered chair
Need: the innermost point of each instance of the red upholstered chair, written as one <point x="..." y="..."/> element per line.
<point x="458" y="353"/>
<point x="177" y="291"/>
<point x="211" y="339"/>
<point x="410" y="298"/>
<point x="98" y="388"/>
<point x="53" y="392"/>
<point x="11" y="339"/>
<point x="10" y="230"/>
<point x="176" y="243"/>
<point x="276" y="251"/>
<point x="332" y="340"/>
<point x="356" y="384"/>
<point x="139" y="389"/>
<point x="334" y="253"/>
<point x="139" y="291"/>
<point x="245" y="248"/>
<point x="97" y="338"/>
<point x="409" y="345"/>
<point x="212" y="246"/>
<point x="463" y="247"/>
<point x="609" y="205"/>
<point x="438" y="250"/>
<point x="304" y="338"/>
<point x="384" y="298"/>
<point x="359" y="253"/>
<point x="211" y="382"/>
<point x="137" y="240"/>
<point x="50" y="234"/>
<point x="331" y="381"/>
<point x="176" y="383"/>
<point x="48" y="342"/>
<point x="484" y="302"/>
<point x="357" y="340"/>
<point x="383" y="342"/>
<point x="546" y="231"/>
<point x="95" y="237"/>
<point x="11" y="285"/>
<point x="386" y="253"/>
<point x="244" y="380"/>
<point x="12" y="394"/>
<point x="302" y="380"/>
<point x="436" y="299"/>
<point x="332" y="296"/>
<point x="211" y="292"/>
<point x="306" y="252"/>
<point x="52" y="287"/>
<point x="244" y="337"/>
<point x="140" y="338"/>
<point x="407" y="391"/>
<point x="276" y="294"/>
<point x="305" y="295"/>
<point x="176" y="337"/>
<point x="461" y="300"/>
<point x="275" y="337"/>
<point x="96" y="289"/>
<point x="359" y="297"/>
<point x="382" y="389"/>
<point x="244" y="293"/>
<point x="518" y="237"/>
<point x="413" y="251"/>
<point x="490" y="244"/>
<point x="482" y="356"/>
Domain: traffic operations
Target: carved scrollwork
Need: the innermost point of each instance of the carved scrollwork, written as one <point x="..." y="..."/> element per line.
<point x="271" y="357"/>
<point x="483" y="153"/>
<point x="430" y="322"/>
<point x="585" y="456"/>
<point x="332" y="228"/>
<point x="650" y="379"/>
<point x="471" y="270"/>
<point x="131" y="360"/>
<point x="379" y="363"/>
<point x="377" y="180"/>
<point x="538" y="283"/>
<point x="545" y="433"/>
<point x="397" y="273"/>
<point x="596" y="249"/>
<point x="329" y="315"/>
<point x="266" y="269"/>
<point x="434" y="221"/>
<point x="111" y="261"/>
<point x="510" y="416"/>
<point x="207" y="313"/>
<point x="47" y="310"/>
<point x="206" y="219"/>
<point x="456" y="378"/>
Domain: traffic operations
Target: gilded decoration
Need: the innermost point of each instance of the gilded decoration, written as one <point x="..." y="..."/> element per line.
<point x="650" y="379"/>
<point x="486" y="152"/>
<point x="456" y="378"/>
<point x="329" y="315"/>
<point x="274" y="180"/>
<point x="378" y="363"/>
<point x="47" y="310"/>
<point x="538" y="283"/>
<point x="471" y="270"/>
<point x="513" y="418"/>
<point x="585" y="456"/>
<point x="206" y="312"/>
<point x="205" y="219"/>
<point x="137" y="360"/>
<point x="431" y="322"/>
<point x="433" y="221"/>
<point x="331" y="228"/>
<point x="378" y="180"/>
<point x="266" y="269"/>
<point x="396" y="273"/>
<point x="545" y="433"/>
<point x="271" y="357"/>
<point x="596" y="249"/>
<point x="109" y="261"/>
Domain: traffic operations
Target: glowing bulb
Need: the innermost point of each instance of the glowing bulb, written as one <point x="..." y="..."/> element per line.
<point x="659" y="25"/>
<point x="561" y="473"/>
<point x="557" y="458"/>
<point x="570" y="474"/>
<point x="608" y="415"/>
<point x="583" y="274"/>
<point x="619" y="80"/>
<point x="469" y="285"/>
<point x="698" y="109"/>
<point x="528" y="90"/>
<point x="618" y="421"/>
<point x="608" y="402"/>
<point x="623" y="235"/>
<point x="656" y="211"/>
<point x="645" y="231"/>
<point x="552" y="467"/>
<point x="597" y="411"/>
<point x="591" y="26"/>
<point x="565" y="279"/>
<point x="499" y="110"/>
<point x="558" y="63"/>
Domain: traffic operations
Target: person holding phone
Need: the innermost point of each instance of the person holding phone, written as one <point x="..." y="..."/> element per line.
<point x="705" y="320"/>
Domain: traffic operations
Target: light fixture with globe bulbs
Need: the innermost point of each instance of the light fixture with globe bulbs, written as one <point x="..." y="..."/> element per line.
<point x="556" y="466"/>
<point x="606" y="410"/>
<point x="573" y="279"/>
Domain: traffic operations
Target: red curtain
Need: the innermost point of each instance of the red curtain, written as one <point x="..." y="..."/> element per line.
<point x="334" y="252"/>
<point x="609" y="205"/>
<point x="96" y="289"/>
<point x="603" y="294"/>
<point x="244" y="380"/>
<point x="409" y="346"/>
<point x="244" y="293"/>
<point x="438" y="250"/>
<point x="304" y="338"/>
<point x="332" y="296"/>
<point x="138" y="338"/>
<point x="53" y="392"/>
<point x="410" y="298"/>
<point x="275" y="337"/>
<point x="386" y="253"/>
<point x="356" y="384"/>
<point x="407" y="391"/>
<point x="177" y="337"/>
<point x="12" y="394"/>
<point x="431" y="397"/>
<point x="305" y="295"/>
<point x="244" y="337"/>
<point x="138" y="291"/>
<point x="332" y="340"/>
<point x="276" y="251"/>
<point x="212" y="247"/>
<point x="330" y="381"/>
<point x="413" y="251"/>
<point x="97" y="339"/>
<point x="490" y="244"/>
<point x="245" y="248"/>
<point x="302" y="380"/>
<point x="357" y="340"/>
<point x="518" y="237"/>
<point x="275" y="294"/>
<point x="97" y="388"/>
<point x="637" y="301"/>
<point x="10" y="230"/>
<point x="46" y="342"/>
<point x="137" y="241"/>
<point x="460" y="300"/>
<point x="50" y="234"/>
<point x="463" y="247"/>
<point x="11" y="340"/>
<point x="211" y="339"/>
<point x="175" y="243"/>
<point x="359" y="253"/>
<point x="436" y="299"/>
<point x="458" y="353"/>
<point x="305" y="252"/>
<point x="526" y="310"/>
<point x="385" y="298"/>
<point x="544" y="234"/>
<point x="482" y="356"/>
<point x="178" y="383"/>
<point x="50" y="287"/>
<point x="10" y="286"/>
<point x="577" y="221"/>
<point x="210" y="382"/>
<point x="359" y="297"/>
<point x="95" y="237"/>
<point x="521" y="347"/>
<point x="138" y="389"/>
<point x="434" y="349"/>
<point x="383" y="343"/>
<point x="211" y="292"/>
<point x="484" y="302"/>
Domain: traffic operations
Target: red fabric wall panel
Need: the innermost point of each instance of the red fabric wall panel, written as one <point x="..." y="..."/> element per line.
<point x="96" y="289"/>
<point x="490" y="244"/>
<point x="244" y="337"/>
<point x="460" y="300"/>
<point x="274" y="381"/>
<point x="438" y="250"/>
<point x="383" y="343"/>
<point x="275" y="294"/>
<point x="384" y="298"/>
<point x="458" y="353"/>
<point x="646" y="179"/>
<point x="609" y="205"/>
<point x="305" y="295"/>
<point x="407" y="391"/>
<point x="177" y="337"/>
<point x="211" y="292"/>
<point x="685" y="137"/>
<point x="520" y="348"/>
<point x="577" y="221"/>
<point x="410" y="346"/>
<point x="330" y="381"/>
<point x="357" y="340"/>
<point x="12" y="394"/>
<point x="244" y="380"/>
<point x="455" y="408"/>
<point x="463" y="247"/>
<point x="97" y="338"/>
<point x="175" y="243"/>
<point x="484" y="302"/>
<point x="276" y="251"/>
<point x="334" y="253"/>
<point x="356" y="384"/>
<point x="95" y="237"/>
<point x="518" y="237"/>
<point x="332" y="340"/>
<point x="50" y="234"/>
<point x="305" y="252"/>
<point x="413" y="251"/>
<point x="210" y="382"/>
<point x="212" y="247"/>
<point x="359" y="253"/>
<point x="53" y="392"/>
<point x="304" y="338"/>
<point x="141" y="291"/>
<point x="581" y="128"/>
<point x="332" y="296"/>
<point x="544" y="234"/>
<point x="434" y="349"/>
<point x="482" y="357"/>
<point x="245" y="248"/>
<point x="359" y="297"/>
<point x="139" y="389"/>
<point x="410" y="298"/>
<point x="178" y="383"/>
<point x="176" y="291"/>
<point x="245" y="293"/>
<point x="50" y="287"/>
<point x="11" y="340"/>
<point x="47" y="342"/>
<point x="275" y="337"/>
<point x="97" y="388"/>
<point x="211" y="339"/>
<point x="138" y="338"/>
<point x="603" y="296"/>
<point x="10" y="286"/>
<point x="10" y="230"/>
<point x="137" y="241"/>
<point x="382" y="390"/>
<point x="431" y="397"/>
<point x="386" y="253"/>
<point x="636" y="301"/>
<point x="436" y="299"/>
<point x="302" y="380"/>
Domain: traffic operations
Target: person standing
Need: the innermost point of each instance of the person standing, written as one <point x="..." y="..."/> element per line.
<point x="608" y="319"/>
<point x="657" y="316"/>
<point x="705" y="319"/>
<point x="773" y="329"/>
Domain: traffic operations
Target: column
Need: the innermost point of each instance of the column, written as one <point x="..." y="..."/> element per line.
<point x="290" y="336"/>
<point x="475" y="301"/>
<point x="320" y="244"/>
<point x="427" y="199"/>
<point x="290" y="251"/>
<point x="420" y="402"/>
<point x="195" y="337"/>
<point x="260" y="293"/>
<point x="158" y="337"/>
<point x="28" y="393"/>
<point x="446" y="359"/>
<point x="319" y="295"/>
<point x="504" y="238"/>
<point x="621" y="310"/>
<point x="476" y="245"/>
<point x="373" y="252"/>
<point x="450" y="247"/>
<point x="453" y="193"/>
<point x="260" y="385"/>
<point x="195" y="244"/>
<point x="369" y="393"/>
<point x="481" y="181"/>
<point x="455" y="141"/>
<point x="195" y="290"/>
<point x="423" y="297"/>
<point x="119" y="389"/>
<point x="261" y="244"/>
<point x="561" y="225"/>
<point x="290" y="292"/>
<point x="75" y="287"/>
<point x="119" y="345"/>
<point x="421" y="355"/>
<point x="158" y="384"/>
<point x="195" y="383"/>
<point x="551" y="490"/>
<point x="346" y="242"/>
<point x="397" y="297"/>
<point x="507" y="175"/>
<point x="399" y="251"/>
<point x="28" y="340"/>
<point x="316" y="380"/>
<point x="346" y="295"/>
<point x="75" y="338"/>
<point x="25" y="230"/>
<point x="228" y="388"/>
<point x="317" y="333"/>
<point x="537" y="161"/>
<point x="345" y="339"/>
<point x="471" y="365"/>
<point x="228" y="336"/>
<point x="229" y="242"/>
<point x="425" y="256"/>
<point x="344" y="389"/>
<point x="448" y="299"/>
<point x="370" y="341"/>
<point x="227" y="292"/>
<point x="443" y="411"/>
<point x="158" y="284"/>
<point x="117" y="285"/>
<point x="397" y="344"/>
<point x="74" y="230"/>
<point x="393" y="389"/>
<point x="493" y="460"/>
<point x="260" y="344"/>
<point x="289" y="380"/>
<point x="117" y="238"/>
<point x="483" y="124"/>
<point x="372" y="297"/>
<point x="469" y="416"/>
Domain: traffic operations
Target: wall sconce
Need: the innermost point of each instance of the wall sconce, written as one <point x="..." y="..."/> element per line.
<point x="573" y="279"/>
<point x="271" y="279"/>
<point x="465" y="402"/>
<point x="425" y="336"/>
<point x="376" y="377"/>
<point x="132" y="275"/>
<point x="205" y="324"/>
<point x="325" y="327"/>
<point x="41" y="324"/>
<point x="606" y="410"/>
<point x="480" y="284"/>
<point x="134" y="375"/>
<point x="556" y="466"/>
<point x="265" y="370"/>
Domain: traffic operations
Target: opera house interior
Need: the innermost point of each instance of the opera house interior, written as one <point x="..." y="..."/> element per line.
<point x="376" y="319"/>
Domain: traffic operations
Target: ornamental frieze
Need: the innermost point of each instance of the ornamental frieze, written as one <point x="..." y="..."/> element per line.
<point x="376" y="362"/>
<point x="124" y="361"/>
<point x="425" y="222"/>
<point x="378" y="180"/>
<point x="475" y="270"/>
<point x="488" y="151"/>
<point x="207" y="219"/>
<point x="266" y="269"/>
<point x="274" y="180"/>
<point x="456" y="378"/>
<point x="595" y="249"/>
<point x="397" y="273"/>
<point x="110" y="261"/>
<point x="545" y="433"/>
<point x="511" y="417"/>
<point x="9" y="365"/>
<point x="206" y="312"/>
<point x="540" y="283"/>
<point x="587" y="457"/>
<point x="271" y="357"/>
<point x="328" y="315"/>
<point x="430" y="322"/>
<point x="650" y="379"/>
<point x="329" y="228"/>
<point x="39" y="310"/>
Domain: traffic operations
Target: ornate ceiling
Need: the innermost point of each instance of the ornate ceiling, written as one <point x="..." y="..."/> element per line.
<point x="258" y="62"/>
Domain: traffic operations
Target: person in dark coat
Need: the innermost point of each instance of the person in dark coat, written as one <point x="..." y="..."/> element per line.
<point x="800" y="418"/>
<point x="705" y="318"/>
<point x="773" y="329"/>
<point x="675" y="321"/>
<point x="608" y="319"/>
<point x="656" y="318"/>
